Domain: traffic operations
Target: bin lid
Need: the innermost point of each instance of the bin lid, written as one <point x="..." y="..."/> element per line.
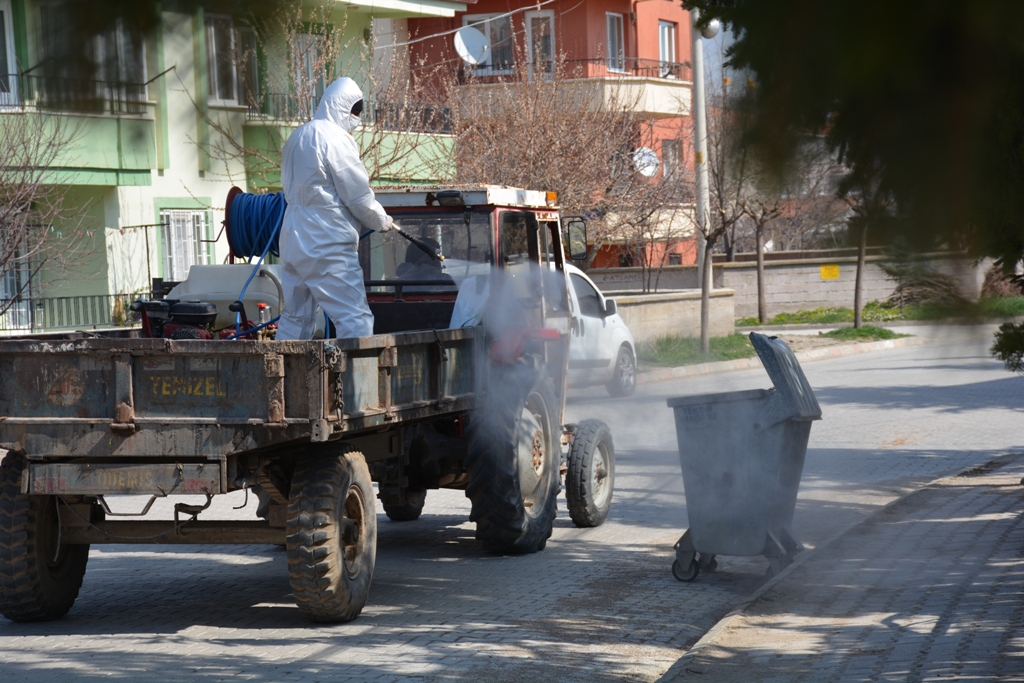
<point x="787" y="376"/>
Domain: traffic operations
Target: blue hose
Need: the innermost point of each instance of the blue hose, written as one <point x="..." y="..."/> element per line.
<point x="255" y="221"/>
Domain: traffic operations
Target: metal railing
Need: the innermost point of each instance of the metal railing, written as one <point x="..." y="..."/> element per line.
<point x="603" y="67"/>
<point x="47" y="314"/>
<point x="421" y="118"/>
<point x="73" y="95"/>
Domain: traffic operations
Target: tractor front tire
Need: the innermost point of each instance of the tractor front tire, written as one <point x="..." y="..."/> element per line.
<point x="590" y="480"/>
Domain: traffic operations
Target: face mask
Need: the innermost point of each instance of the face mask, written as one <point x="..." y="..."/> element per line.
<point x="351" y="123"/>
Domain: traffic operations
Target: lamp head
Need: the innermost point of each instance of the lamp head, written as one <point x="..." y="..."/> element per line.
<point x="712" y="29"/>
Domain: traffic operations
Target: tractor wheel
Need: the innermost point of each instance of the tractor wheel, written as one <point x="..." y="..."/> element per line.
<point x="410" y="511"/>
<point x="39" y="576"/>
<point x="513" y="459"/>
<point x="332" y="535"/>
<point x="591" y="477"/>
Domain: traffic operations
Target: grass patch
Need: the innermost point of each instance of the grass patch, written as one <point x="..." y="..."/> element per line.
<point x="865" y="333"/>
<point x="675" y="351"/>
<point x="880" y="311"/>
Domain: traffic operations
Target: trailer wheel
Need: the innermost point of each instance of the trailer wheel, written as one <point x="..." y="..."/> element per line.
<point x="410" y="511"/>
<point x="513" y="459"/>
<point x="590" y="481"/>
<point x="332" y="535"/>
<point x="39" y="576"/>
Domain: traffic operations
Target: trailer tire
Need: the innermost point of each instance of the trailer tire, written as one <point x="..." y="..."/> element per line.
<point x="332" y="535"/>
<point x="590" y="480"/>
<point x="513" y="459"/>
<point x="39" y="576"/>
<point x="410" y="511"/>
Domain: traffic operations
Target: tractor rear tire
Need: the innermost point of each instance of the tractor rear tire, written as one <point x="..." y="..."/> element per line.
<point x="513" y="459"/>
<point x="332" y="535"/>
<point x="39" y="576"/>
<point x="590" y="480"/>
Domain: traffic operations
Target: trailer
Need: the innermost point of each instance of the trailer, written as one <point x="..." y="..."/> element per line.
<point x="185" y="408"/>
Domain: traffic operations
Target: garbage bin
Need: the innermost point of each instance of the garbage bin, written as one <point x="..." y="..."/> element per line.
<point x="742" y="455"/>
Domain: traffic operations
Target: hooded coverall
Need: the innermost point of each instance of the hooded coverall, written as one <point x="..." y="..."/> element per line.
<point x="329" y="200"/>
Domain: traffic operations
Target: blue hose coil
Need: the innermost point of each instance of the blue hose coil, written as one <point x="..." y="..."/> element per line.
<point x="254" y="224"/>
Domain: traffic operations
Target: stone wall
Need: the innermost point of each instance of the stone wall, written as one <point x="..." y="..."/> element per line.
<point x="650" y="316"/>
<point x="798" y="284"/>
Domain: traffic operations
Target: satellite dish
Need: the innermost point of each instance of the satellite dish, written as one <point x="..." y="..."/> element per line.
<point x="645" y="161"/>
<point x="472" y="45"/>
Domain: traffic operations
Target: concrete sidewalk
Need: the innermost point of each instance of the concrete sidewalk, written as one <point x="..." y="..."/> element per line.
<point x="930" y="588"/>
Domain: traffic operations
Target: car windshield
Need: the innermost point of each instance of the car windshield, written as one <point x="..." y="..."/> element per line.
<point x="467" y="247"/>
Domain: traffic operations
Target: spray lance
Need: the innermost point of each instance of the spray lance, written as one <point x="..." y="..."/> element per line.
<point x="426" y="248"/>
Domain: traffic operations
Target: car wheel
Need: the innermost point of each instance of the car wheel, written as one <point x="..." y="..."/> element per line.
<point x="623" y="382"/>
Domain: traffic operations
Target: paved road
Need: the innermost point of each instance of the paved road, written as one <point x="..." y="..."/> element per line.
<point x="930" y="588"/>
<point x="597" y="604"/>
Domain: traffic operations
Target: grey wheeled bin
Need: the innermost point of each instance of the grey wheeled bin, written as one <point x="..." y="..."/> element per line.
<point x="742" y="454"/>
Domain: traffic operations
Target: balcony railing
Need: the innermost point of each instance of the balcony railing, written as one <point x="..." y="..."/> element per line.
<point x="605" y="67"/>
<point x="72" y="95"/>
<point x="420" y="118"/>
<point x="48" y="314"/>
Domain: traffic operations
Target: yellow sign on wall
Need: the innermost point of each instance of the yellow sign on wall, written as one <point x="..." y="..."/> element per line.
<point x="830" y="271"/>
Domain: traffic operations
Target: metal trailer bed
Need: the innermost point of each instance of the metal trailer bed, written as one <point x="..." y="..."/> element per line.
<point x="96" y="415"/>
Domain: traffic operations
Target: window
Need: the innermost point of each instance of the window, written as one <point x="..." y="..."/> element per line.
<point x="307" y="59"/>
<point x="182" y="232"/>
<point x="111" y="76"/>
<point x="590" y="301"/>
<point x="248" y="66"/>
<point x="669" y="158"/>
<point x="540" y="40"/>
<point x="501" y="56"/>
<point x="467" y="248"/>
<point x="220" y="63"/>
<point x="667" y="48"/>
<point x="616" y="43"/>
<point x="675" y="259"/>
<point x="8" y="84"/>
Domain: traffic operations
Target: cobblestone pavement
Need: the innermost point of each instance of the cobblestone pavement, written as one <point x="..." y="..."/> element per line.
<point x="597" y="604"/>
<point x="929" y="589"/>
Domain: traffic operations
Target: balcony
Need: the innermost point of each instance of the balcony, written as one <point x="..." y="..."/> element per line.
<point x="111" y="125"/>
<point x="404" y="158"/>
<point x="31" y="315"/>
<point x="27" y="92"/>
<point x="390" y="116"/>
<point x="654" y="89"/>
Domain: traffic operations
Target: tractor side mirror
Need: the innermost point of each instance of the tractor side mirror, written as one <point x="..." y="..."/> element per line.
<point x="577" y="229"/>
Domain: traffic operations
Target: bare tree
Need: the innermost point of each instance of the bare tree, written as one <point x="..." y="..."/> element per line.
<point x="39" y="232"/>
<point x="546" y="125"/>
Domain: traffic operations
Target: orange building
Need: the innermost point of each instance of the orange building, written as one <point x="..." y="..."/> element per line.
<point x="641" y="44"/>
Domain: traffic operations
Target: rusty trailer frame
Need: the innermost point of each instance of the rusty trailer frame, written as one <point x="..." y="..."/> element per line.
<point x="128" y="415"/>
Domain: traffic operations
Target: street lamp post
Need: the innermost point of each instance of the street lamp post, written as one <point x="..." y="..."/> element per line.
<point x="700" y="131"/>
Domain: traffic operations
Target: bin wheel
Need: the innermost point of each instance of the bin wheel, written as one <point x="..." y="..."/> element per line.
<point x="590" y="478"/>
<point x="39" y="576"/>
<point x="708" y="564"/>
<point x="677" y="571"/>
<point x="332" y="535"/>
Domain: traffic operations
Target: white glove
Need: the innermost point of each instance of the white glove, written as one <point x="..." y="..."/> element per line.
<point x="388" y="224"/>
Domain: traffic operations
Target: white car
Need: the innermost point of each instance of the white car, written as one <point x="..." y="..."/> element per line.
<point x="601" y="349"/>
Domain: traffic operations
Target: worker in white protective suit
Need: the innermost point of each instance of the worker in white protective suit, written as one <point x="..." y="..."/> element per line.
<point x="329" y="204"/>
